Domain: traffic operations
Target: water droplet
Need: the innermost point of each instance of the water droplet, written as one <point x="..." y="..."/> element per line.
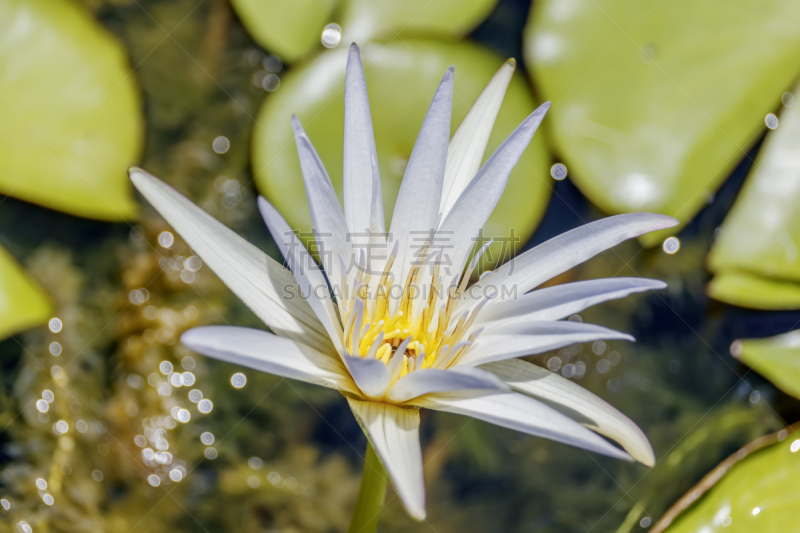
<point x="210" y="453"/>
<point x="48" y="500"/>
<point x="645" y="522"/>
<point x="271" y="82"/>
<point x="575" y="318"/>
<point x="273" y="63"/>
<point x="603" y="366"/>
<point x="554" y="363"/>
<point x="187" y="276"/>
<point x="187" y="378"/>
<point x="795" y="446"/>
<point x="238" y="380"/>
<point x="154" y="480"/>
<point x="599" y="347"/>
<point x="755" y="396"/>
<point x="207" y="438"/>
<point x="56" y="372"/>
<point x="166" y="239"/>
<point x="195" y="395"/>
<point x="81" y="426"/>
<point x="193" y="263"/>
<point x="253" y="482"/>
<point x="184" y="416"/>
<point x="55" y="325"/>
<point x="42" y="406"/>
<point x="787" y="99"/>
<point x="568" y="371"/>
<point x="558" y="171"/>
<point x="140" y="441"/>
<point x="165" y="367"/>
<point x="671" y="245"/>
<point x="164" y="389"/>
<point x="255" y="463"/>
<point x="274" y="478"/>
<point x="291" y="483"/>
<point x="331" y="35"/>
<point x="205" y="406"/>
<point x="771" y="121"/>
<point x="55" y="348"/>
<point x="23" y="525"/>
<point x="97" y="475"/>
<point x="175" y="379"/>
<point x="41" y="484"/>
<point x="188" y="362"/>
<point x="5" y="503"/>
<point x="175" y="474"/>
<point x="221" y="144"/>
<point x="135" y="382"/>
<point x="61" y="427"/>
<point x="756" y="510"/>
<point x="148" y="454"/>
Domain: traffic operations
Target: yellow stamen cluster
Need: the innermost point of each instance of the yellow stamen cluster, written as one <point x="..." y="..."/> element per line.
<point x="404" y="340"/>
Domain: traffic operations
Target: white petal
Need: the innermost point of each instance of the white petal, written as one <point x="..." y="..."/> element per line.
<point x="313" y="285"/>
<point x="327" y="220"/>
<point x="394" y="434"/>
<point x="555" y="303"/>
<point x="362" y="180"/>
<point x="559" y="254"/>
<point x="431" y="380"/>
<point x="260" y="282"/>
<point x="417" y="207"/>
<point x="263" y="351"/>
<point x="459" y="230"/>
<point x="465" y="153"/>
<point x="527" y="338"/>
<point x="575" y="402"/>
<point x="370" y="375"/>
<point x="521" y="413"/>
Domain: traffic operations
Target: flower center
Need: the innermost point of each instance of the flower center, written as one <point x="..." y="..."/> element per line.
<point x="422" y="332"/>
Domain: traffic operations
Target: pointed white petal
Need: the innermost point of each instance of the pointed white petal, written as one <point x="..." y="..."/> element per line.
<point x="434" y="380"/>
<point x="459" y="230"/>
<point x="575" y="402"/>
<point x="521" y="413"/>
<point x="370" y="375"/>
<point x="394" y="434"/>
<point x="362" y="180"/>
<point x="260" y="282"/>
<point x="313" y="285"/>
<point x="465" y="152"/>
<point x="263" y="351"/>
<point x="509" y="340"/>
<point x="417" y="207"/>
<point x="327" y="220"/>
<point x="561" y="301"/>
<point x="559" y="254"/>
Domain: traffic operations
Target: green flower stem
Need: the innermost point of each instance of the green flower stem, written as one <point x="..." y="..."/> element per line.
<point x="370" y="495"/>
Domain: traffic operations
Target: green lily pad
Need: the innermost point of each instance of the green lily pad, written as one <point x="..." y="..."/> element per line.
<point x="69" y="109"/>
<point x="755" y="489"/>
<point x="289" y="29"/>
<point x="761" y="235"/>
<point x="655" y="102"/>
<point x="23" y="304"/>
<point x="776" y="358"/>
<point x="364" y="20"/>
<point x="401" y="78"/>
<point x="757" y="292"/>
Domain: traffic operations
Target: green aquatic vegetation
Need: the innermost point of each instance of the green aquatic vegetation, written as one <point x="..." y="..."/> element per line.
<point x="755" y="256"/>
<point x="293" y="30"/>
<point x="755" y="489"/>
<point x="776" y="358"/>
<point x="70" y="111"/>
<point x="656" y="102"/>
<point x="23" y="304"/>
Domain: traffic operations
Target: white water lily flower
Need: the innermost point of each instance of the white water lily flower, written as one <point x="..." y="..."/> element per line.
<point x="404" y="330"/>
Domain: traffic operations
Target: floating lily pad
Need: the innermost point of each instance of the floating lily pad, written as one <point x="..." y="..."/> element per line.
<point x="289" y="29"/>
<point x="401" y="78"/>
<point x="70" y="111"/>
<point x="775" y="358"/>
<point x="755" y="489"/>
<point x="23" y="304"/>
<point x="655" y="102"/>
<point x="364" y="20"/>
<point x="761" y="235"/>
<point x="750" y="290"/>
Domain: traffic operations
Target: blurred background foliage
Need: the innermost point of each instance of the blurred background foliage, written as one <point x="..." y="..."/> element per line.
<point x="656" y="106"/>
